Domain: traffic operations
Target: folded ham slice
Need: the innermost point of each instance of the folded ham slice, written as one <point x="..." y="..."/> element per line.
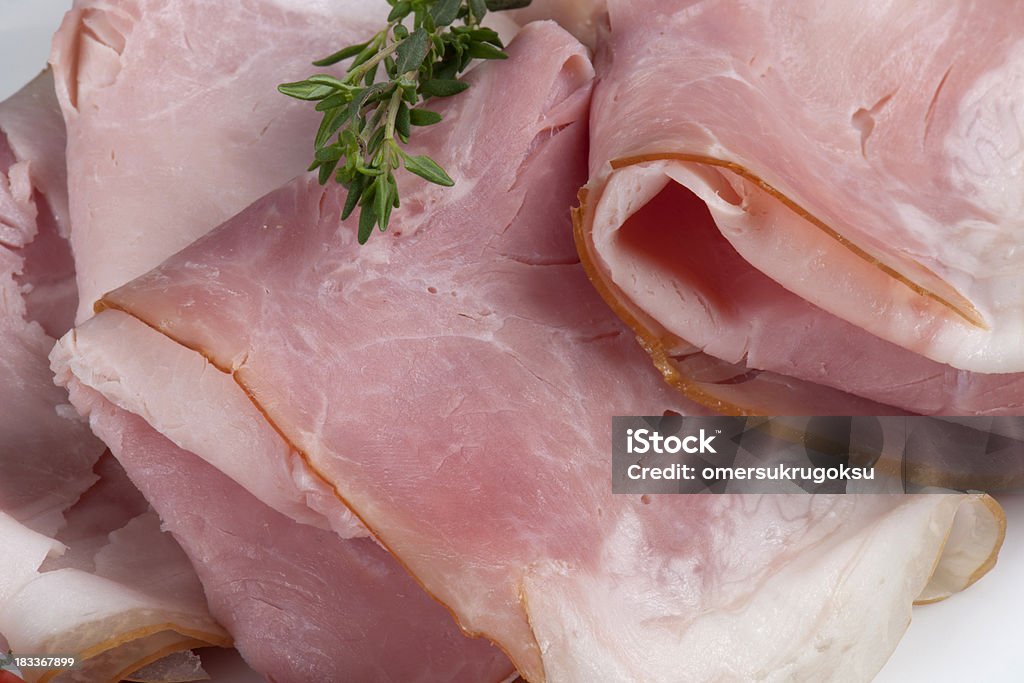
<point x="138" y="195"/>
<point x="763" y="205"/>
<point x="235" y="138"/>
<point x="301" y="603"/>
<point x="116" y="591"/>
<point x="453" y="381"/>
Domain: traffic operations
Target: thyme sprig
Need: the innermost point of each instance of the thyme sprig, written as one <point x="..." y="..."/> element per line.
<point x="366" y="121"/>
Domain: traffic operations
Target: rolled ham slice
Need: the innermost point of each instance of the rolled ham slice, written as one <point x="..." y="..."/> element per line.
<point x="453" y="381"/>
<point x="778" y="218"/>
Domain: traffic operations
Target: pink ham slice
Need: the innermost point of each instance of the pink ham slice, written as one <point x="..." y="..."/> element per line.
<point x="86" y="570"/>
<point x="115" y="591"/>
<point x="234" y="139"/>
<point x="345" y="612"/>
<point x="846" y="221"/>
<point x="33" y="141"/>
<point x="183" y="95"/>
<point x="453" y="381"/>
<point x="47" y="454"/>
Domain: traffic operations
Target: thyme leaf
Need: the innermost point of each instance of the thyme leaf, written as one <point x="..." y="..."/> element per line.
<point x="367" y="120"/>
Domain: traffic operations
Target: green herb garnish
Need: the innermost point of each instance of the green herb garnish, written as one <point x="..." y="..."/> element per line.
<point x="365" y="119"/>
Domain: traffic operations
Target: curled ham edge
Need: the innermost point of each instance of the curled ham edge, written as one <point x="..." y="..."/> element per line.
<point x="970" y="529"/>
<point x="730" y="397"/>
<point x="974" y="525"/>
<point x="653" y="337"/>
<point x="161" y="642"/>
<point x="920" y="297"/>
<point x="125" y="651"/>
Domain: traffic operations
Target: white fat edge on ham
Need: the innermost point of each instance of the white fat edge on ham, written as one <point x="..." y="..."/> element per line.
<point x="569" y="72"/>
<point x="121" y="596"/>
<point x="258" y="139"/>
<point x="867" y="155"/>
<point x="485" y="512"/>
<point x="140" y="370"/>
<point x="841" y="590"/>
<point x="101" y="51"/>
<point x="111" y="588"/>
<point x="113" y="42"/>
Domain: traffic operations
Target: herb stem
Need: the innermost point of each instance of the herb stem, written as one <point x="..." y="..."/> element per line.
<point x="366" y="120"/>
<point x="396" y="101"/>
<point x="372" y="125"/>
<point x="360" y="71"/>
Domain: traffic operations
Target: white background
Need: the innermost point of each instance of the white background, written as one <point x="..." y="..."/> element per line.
<point x="975" y="636"/>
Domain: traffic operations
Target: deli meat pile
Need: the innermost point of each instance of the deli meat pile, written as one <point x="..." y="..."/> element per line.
<point x="226" y="423"/>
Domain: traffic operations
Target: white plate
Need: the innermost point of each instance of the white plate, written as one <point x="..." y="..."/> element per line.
<point x="977" y="635"/>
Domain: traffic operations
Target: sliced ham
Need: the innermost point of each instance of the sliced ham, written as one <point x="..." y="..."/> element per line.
<point x="211" y="125"/>
<point x="46" y="453"/>
<point x="33" y="141"/>
<point x="133" y="365"/>
<point x="345" y="611"/>
<point x="787" y="209"/>
<point x="120" y="596"/>
<point x="235" y="138"/>
<point x="453" y="380"/>
<point x="86" y="570"/>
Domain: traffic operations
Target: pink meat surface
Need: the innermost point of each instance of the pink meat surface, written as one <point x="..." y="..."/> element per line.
<point x="454" y="381"/>
<point x="288" y="592"/>
<point x="115" y="590"/>
<point x="85" y="568"/>
<point x="234" y="138"/>
<point x="863" y="228"/>
<point x="582" y="18"/>
<point x="211" y="125"/>
<point x="36" y="190"/>
<point x="46" y="452"/>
